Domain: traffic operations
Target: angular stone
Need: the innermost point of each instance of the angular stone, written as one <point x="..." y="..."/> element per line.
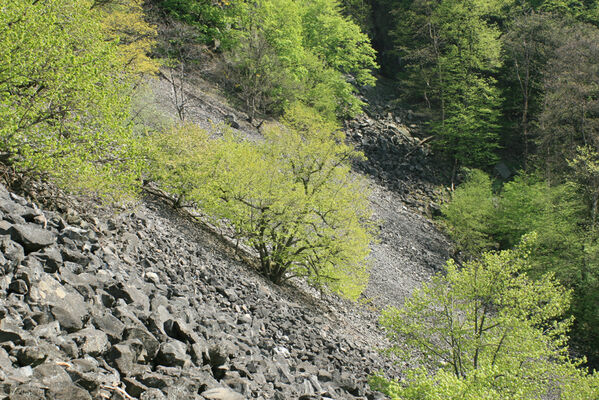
<point x="131" y="295"/>
<point x="5" y="227"/>
<point x="74" y="256"/>
<point x="150" y="343"/>
<point x="10" y="331"/>
<point x="124" y="355"/>
<point x="50" y="257"/>
<point x="11" y="208"/>
<point x="27" y="391"/>
<point x="155" y="380"/>
<point x="31" y="355"/>
<point x="47" y="330"/>
<point x="222" y="394"/>
<point x="11" y="250"/>
<point x="91" y="341"/>
<point x="110" y="325"/>
<point x="52" y="375"/>
<point x="178" y="330"/>
<point x="152" y="394"/>
<point x="30" y="270"/>
<point x="68" y="319"/>
<point x="173" y="353"/>
<point x="31" y="237"/>
<point x="74" y="234"/>
<point x="69" y="392"/>
<point x="133" y="387"/>
<point x="18" y="286"/>
<point x="67" y="306"/>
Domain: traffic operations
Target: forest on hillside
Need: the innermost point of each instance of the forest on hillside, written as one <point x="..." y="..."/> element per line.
<point x="507" y="89"/>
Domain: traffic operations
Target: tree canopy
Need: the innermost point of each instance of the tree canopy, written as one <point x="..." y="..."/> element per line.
<point x="66" y="113"/>
<point x="487" y="330"/>
<point x="291" y="197"/>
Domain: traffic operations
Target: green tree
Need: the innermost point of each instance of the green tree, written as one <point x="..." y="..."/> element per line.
<point x="304" y="51"/>
<point x="528" y="44"/>
<point x="210" y="19"/>
<point x="291" y="197"/>
<point x="469" y="214"/>
<point x="125" y="22"/>
<point x="570" y="114"/>
<point x="560" y="216"/>
<point x="450" y="52"/>
<point x="64" y="96"/>
<point x="179" y="160"/>
<point x="487" y="331"/>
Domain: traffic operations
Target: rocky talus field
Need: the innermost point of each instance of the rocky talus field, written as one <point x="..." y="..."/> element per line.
<point x="144" y="303"/>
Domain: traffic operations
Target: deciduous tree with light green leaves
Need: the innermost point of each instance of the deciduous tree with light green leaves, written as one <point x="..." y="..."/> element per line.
<point x="291" y="197"/>
<point x="484" y="330"/>
<point x="289" y="50"/>
<point x="64" y="96"/>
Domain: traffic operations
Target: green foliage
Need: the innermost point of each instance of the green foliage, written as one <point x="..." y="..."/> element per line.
<point x="570" y="116"/>
<point x="528" y="205"/>
<point x="124" y="21"/>
<point x="360" y="11"/>
<point x="487" y="331"/>
<point x="64" y="98"/>
<point x="566" y="246"/>
<point x="210" y="19"/>
<point x="179" y="160"/>
<point x="450" y="51"/>
<point x="290" y="51"/>
<point x="469" y="213"/>
<point x="529" y="43"/>
<point x="291" y="197"/>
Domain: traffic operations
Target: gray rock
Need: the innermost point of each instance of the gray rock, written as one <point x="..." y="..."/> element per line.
<point x="51" y="258"/>
<point x="66" y="305"/>
<point x="74" y="256"/>
<point x="11" y="331"/>
<point x="110" y="325"/>
<point x="152" y="394"/>
<point x="149" y="341"/>
<point x="14" y="210"/>
<point x="173" y="353"/>
<point x="5" y="227"/>
<point x="27" y="391"/>
<point x="52" y="375"/>
<point x="18" y="286"/>
<point x="131" y="295"/>
<point x="12" y="251"/>
<point x="124" y="355"/>
<point x="47" y="330"/>
<point x="91" y="341"/>
<point x="68" y="392"/>
<point x="133" y="387"/>
<point x="31" y="237"/>
<point x="222" y="394"/>
<point x="31" y="355"/>
<point x="155" y="380"/>
<point x="73" y="233"/>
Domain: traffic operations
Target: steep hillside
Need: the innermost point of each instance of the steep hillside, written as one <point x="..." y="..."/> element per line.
<point x="143" y="303"/>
